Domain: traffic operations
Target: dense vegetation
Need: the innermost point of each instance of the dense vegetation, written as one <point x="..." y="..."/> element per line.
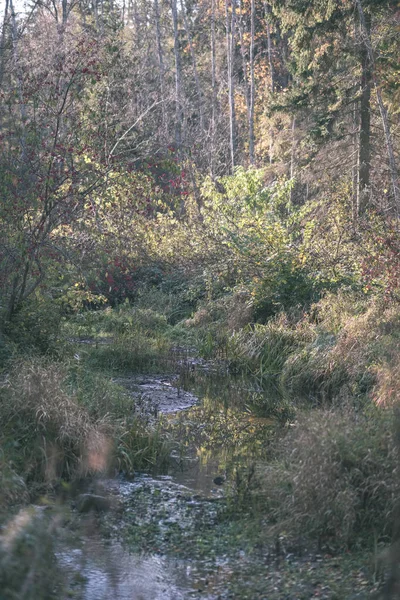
<point x="219" y="177"/>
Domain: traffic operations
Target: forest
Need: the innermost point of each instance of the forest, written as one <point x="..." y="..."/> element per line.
<point x="199" y="299"/>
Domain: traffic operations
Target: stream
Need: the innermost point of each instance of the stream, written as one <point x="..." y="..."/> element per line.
<point x="170" y="536"/>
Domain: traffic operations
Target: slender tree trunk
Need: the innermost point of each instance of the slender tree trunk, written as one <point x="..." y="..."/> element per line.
<point x="244" y="66"/>
<point x="364" y="144"/>
<point x="382" y="108"/>
<point x="267" y="11"/>
<point x="3" y="42"/>
<point x="178" y="80"/>
<point x="214" y="90"/>
<point x="160" y="63"/>
<point x="96" y="13"/>
<point x="293" y="156"/>
<point x="355" y="157"/>
<point x="194" y="64"/>
<point x="230" y="39"/>
<point x="22" y="106"/>
<point x="136" y="20"/>
<point x="64" y="12"/>
<point x="252" y="84"/>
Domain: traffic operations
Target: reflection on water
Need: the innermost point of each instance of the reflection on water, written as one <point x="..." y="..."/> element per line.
<point x="110" y="572"/>
<point x="220" y="434"/>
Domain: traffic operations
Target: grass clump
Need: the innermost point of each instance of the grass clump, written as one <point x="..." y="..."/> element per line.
<point x="98" y="393"/>
<point x="130" y="353"/>
<point x="143" y="448"/>
<point x="354" y="352"/>
<point x="57" y="427"/>
<point x="46" y="430"/>
<point x="335" y="479"/>
<point x="262" y="350"/>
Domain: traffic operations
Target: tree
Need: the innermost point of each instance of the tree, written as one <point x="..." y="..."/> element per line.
<point x="46" y="168"/>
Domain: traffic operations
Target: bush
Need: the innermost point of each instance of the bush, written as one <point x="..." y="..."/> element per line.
<point x="286" y="287"/>
<point x="36" y="326"/>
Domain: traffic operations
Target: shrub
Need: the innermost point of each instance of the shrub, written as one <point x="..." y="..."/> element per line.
<point x="36" y="326"/>
<point x="285" y="287"/>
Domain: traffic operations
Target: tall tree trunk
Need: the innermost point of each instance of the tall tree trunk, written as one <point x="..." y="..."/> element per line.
<point x="355" y="156"/>
<point x="267" y="11"/>
<point x="160" y="64"/>
<point x="244" y="66"/>
<point x="194" y="64"/>
<point x="178" y="81"/>
<point x="22" y="105"/>
<point x="230" y="39"/>
<point x="214" y="90"/>
<point x="3" y="42"/>
<point x="252" y="84"/>
<point x="364" y="144"/>
<point x="64" y="12"/>
<point x="365" y="29"/>
<point x="293" y="157"/>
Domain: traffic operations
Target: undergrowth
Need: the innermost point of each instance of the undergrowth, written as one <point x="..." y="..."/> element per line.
<point x="59" y="424"/>
<point x="335" y="478"/>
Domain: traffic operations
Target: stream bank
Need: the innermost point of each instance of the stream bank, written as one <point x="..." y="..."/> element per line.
<point x="200" y="531"/>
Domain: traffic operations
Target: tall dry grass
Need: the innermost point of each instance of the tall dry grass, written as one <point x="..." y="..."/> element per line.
<point x="51" y="434"/>
<point x="336" y="477"/>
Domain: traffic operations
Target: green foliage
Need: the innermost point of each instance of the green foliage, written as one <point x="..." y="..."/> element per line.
<point x="143" y="447"/>
<point x="131" y="353"/>
<point x="287" y="287"/>
<point x="97" y="393"/>
<point x="35" y="326"/>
